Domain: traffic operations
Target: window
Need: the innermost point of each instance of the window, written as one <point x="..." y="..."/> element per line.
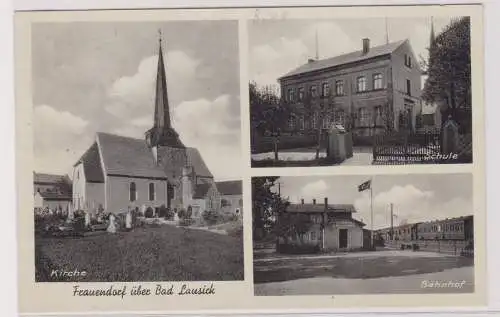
<point x="302" y="123"/>
<point x="408" y="61"/>
<point x="132" y="192"/>
<point x="326" y="89"/>
<point x="291" y="123"/>
<point x="361" y="84"/>
<point x="326" y="122"/>
<point x="314" y="120"/>
<point x="313" y="235"/>
<point x="241" y="202"/>
<point x="291" y="94"/>
<point x="408" y="87"/>
<point x="377" y="81"/>
<point x="378" y="114"/>
<point x="364" y="117"/>
<point x="340" y="117"/>
<point x="301" y="93"/>
<point x="339" y="87"/>
<point x="77" y="174"/>
<point x="152" y="194"/>
<point x="313" y="91"/>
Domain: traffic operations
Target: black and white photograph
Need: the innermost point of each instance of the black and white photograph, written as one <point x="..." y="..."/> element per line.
<point x="363" y="234"/>
<point x="137" y="155"/>
<point x="360" y="91"/>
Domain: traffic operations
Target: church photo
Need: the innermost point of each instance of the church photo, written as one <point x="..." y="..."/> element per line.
<point x="137" y="152"/>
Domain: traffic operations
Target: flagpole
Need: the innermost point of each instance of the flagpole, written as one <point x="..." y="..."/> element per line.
<point x="371" y="209"/>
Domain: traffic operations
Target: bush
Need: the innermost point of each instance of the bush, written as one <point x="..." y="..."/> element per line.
<point x="189" y="212"/>
<point x="210" y="216"/>
<point x="149" y="212"/>
<point x="185" y="214"/>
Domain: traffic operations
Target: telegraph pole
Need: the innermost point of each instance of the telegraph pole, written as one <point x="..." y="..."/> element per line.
<point x="392" y="221"/>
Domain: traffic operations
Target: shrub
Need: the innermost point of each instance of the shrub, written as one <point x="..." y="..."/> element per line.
<point x="189" y="212"/>
<point x="182" y="214"/>
<point x="210" y="216"/>
<point x="149" y="212"/>
<point x="169" y="214"/>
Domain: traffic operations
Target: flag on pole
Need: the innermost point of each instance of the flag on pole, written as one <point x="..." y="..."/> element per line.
<point x="366" y="185"/>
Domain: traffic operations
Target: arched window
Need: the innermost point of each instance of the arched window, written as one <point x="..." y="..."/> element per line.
<point x="152" y="193"/>
<point x="132" y="192"/>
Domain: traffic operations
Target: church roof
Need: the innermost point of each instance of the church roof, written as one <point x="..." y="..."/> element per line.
<point x="195" y="160"/>
<point x="229" y="187"/>
<point x="201" y="191"/>
<point x="126" y="156"/>
<point x="344" y="59"/>
<point x="92" y="165"/>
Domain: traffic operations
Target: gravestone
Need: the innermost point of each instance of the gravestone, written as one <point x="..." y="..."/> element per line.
<point x="71" y="214"/>
<point x="112" y="225"/>
<point x="87" y="219"/>
<point x="128" y="220"/>
<point x="176" y="216"/>
<point x="450" y="143"/>
<point x="143" y="210"/>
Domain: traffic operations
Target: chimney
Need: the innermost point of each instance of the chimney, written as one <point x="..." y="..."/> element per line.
<point x="366" y="45"/>
<point x="302" y="201"/>
<point x="314" y="201"/>
<point x="311" y="60"/>
<point x="326" y="201"/>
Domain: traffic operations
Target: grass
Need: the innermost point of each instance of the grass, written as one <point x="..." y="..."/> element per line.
<point x="162" y="253"/>
<point x="353" y="267"/>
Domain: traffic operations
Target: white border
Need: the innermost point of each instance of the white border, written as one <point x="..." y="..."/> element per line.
<point x="7" y="193"/>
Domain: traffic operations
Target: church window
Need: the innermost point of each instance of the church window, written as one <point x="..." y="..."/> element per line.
<point x="152" y="193"/>
<point x="133" y="192"/>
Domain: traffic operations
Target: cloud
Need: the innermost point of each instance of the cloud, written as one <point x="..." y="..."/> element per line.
<point x="59" y="138"/>
<point x="129" y="95"/>
<point x="315" y="190"/>
<point x="212" y="126"/>
<point x="270" y="61"/>
<point x="410" y="204"/>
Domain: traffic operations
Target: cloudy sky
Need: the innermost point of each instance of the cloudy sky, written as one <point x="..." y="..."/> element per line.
<point x="415" y="197"/>
<point x="90" y="77"/>
<point x="279" y="46"/>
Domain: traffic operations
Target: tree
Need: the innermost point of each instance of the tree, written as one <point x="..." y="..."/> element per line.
<point x="449" y="72"/>
<point x="293" y="225"/>
<point x="266" y="205"/>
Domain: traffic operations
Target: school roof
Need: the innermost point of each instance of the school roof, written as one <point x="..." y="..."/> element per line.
<point x="228" y="188"/>
<point x="318" y="207"/>
<point x="345" y="59"/>
<point x="125" y="156"/>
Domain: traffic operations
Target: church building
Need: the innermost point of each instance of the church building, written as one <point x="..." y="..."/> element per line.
<point x="117" y="172"/>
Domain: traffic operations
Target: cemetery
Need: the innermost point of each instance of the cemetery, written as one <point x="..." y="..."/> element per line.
<point x="137" y="245"/>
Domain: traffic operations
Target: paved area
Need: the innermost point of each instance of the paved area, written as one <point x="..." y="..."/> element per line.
<point x="361" y="156"/>
<point x="457" y="280"/>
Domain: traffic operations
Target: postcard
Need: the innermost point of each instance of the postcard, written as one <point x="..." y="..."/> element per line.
<point x="189" y="160"/>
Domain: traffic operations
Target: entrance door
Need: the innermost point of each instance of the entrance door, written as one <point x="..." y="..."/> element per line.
<point x="342" y="238"/>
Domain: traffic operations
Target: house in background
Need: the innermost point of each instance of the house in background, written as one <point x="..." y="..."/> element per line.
<point x="332" y="227"/>
<point x="52" y="191"/>
<point x="117" y="172"/>
<point x="367" y="91"/>
<point x="231" y="195"/>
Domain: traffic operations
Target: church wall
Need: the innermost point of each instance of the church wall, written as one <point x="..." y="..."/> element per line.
<point x="95" y="196"/>
<point x="118" y="199"/>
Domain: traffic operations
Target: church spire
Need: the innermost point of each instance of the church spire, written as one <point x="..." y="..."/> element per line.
<point x="162" y="133"/>
<point x="162" y="109"/>
<point x="433" y="35"/>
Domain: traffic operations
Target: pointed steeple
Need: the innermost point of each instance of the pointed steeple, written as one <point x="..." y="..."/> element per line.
<point x="162" y="133"/>
<point x="433" y="35"/>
